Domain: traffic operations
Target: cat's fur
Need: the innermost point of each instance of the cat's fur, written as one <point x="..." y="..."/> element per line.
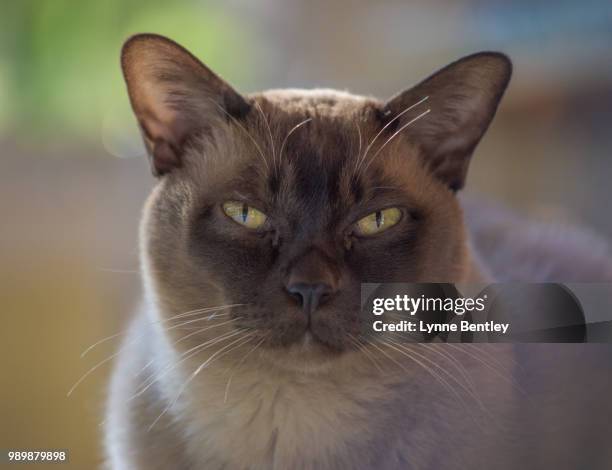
<point x="314" y="400"/>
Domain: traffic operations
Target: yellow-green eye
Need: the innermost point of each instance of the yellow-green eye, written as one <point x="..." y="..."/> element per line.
<point x="378" y="221"/>
<point x="244" y="214"/>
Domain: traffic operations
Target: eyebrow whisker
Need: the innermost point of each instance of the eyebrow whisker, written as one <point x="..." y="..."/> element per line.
<point x="265" y="119"/>
<point x="363" y="157"/>
<point x="395" y="134"/>
<point x="293" y="129"/>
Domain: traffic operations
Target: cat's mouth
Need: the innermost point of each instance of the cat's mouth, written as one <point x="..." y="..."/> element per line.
<point x="307" y="340"/>
<point x="292" y="329"/>
<point x="311" y="339"/>
<point x="316" y="338"/>
<point x="307" y="353"/>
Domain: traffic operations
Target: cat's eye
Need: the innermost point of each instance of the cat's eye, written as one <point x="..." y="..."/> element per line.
<point x="244" y="214"/>
<point x="378" y="221"/>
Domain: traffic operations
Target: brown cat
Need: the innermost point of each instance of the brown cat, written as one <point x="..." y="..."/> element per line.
<point x="270" y="211"/>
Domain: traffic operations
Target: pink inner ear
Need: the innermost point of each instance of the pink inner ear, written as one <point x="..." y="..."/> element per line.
<point x="160" y="126"/>
<point x="165" y="140"/>
<point x="163" y="135"/>
<point x="155" y="115"/>
<point x="171" y="93"/>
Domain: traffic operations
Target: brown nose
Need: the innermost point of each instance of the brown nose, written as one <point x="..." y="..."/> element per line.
<point x="312" y="280"/>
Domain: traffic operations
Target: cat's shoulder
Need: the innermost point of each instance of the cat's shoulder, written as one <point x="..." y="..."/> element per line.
<point x="519" y="248"/>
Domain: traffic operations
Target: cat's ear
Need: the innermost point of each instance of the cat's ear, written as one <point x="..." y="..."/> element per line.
<point x="462" y="99"/>
<point x="174" y="96"/>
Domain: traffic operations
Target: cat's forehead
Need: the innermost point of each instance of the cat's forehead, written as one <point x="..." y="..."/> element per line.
<point x="305" y="146"/>
<point x="318" y="135"/>
<point x="322" y="102"/>
<point x="313" y="125"/>
<point x="316" y="142"/>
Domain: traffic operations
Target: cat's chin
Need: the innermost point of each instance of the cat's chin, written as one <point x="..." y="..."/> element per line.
<point x="306" y="355"/>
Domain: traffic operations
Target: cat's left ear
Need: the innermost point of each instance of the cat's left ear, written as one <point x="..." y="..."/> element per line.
<point x="462" y="99"/>
<point x="175" y="97"/>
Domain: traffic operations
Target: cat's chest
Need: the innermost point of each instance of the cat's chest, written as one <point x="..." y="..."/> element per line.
<point x="278" y="423"/>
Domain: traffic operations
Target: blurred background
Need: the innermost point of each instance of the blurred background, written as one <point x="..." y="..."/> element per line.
<point x="74" y="176"/>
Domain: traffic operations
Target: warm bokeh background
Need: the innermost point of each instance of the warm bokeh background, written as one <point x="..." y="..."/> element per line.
<point x="73" y="177"/>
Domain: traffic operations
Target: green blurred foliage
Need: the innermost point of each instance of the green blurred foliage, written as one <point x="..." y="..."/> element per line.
<point x="59" y="59"/>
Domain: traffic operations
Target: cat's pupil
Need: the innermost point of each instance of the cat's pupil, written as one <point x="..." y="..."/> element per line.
<point x="379" y="218"/>
<point x="245" y="212"/>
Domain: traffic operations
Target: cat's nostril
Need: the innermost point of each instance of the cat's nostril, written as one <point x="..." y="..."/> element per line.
<point x="299" y="291"/>
<point x="310" y="296"/>
<point x="297" y="296"/>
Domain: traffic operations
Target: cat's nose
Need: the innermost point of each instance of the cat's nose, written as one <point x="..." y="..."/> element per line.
<point x="312" y="279"/>
<point x="310" y="296"/>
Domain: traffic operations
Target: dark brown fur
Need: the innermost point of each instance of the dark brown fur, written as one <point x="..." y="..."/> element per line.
<point x="315" y="162"/>
<point x="313" y="196"/>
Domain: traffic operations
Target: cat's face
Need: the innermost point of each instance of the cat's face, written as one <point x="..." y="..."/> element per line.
<point x="282" y="203"/>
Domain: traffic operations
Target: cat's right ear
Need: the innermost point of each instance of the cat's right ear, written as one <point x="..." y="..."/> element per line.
<point x="462" y="98"/>
<point x="175" y="97"/>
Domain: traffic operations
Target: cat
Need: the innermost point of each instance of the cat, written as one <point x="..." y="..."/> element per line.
<point x="269" y="212"/>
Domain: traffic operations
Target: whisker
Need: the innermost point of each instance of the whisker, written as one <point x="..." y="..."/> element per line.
<point x="148" y="382"/>
<point x="508" y="379"/>
<point x="244" y="130"/>
<point x="229" y="381"/>
<point x="112" y="356"/>
<point x="492" y="358"/>
<point x="471" y="393"/>
<point x="217" y="354"/>
<point x="457" y="364"/>
<point x="203" y="310"/>
<point x="216" y="314"/>
<point x="395" y="134"/>
<point x="358" y="150"/>
<point x="491" y="365"/>
<point x="360" y="138"/>
<point x="360" y="161"/>
<point x="366" y="353"/>
<point x="202" y="330"/>
<point x="144" y="368"/>
<point x="280" y="154"/>
<point x="269" y="133"/>
<point x="165" y="320"/>
<point x="189" y="335"/>
<point x="433" y="373"/>
<point x="90" y="371"/>
<point x="189" y="322"/>
<point x="460" y="367"/>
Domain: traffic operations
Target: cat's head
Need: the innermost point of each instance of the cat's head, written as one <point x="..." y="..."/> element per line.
<point x="282" y="203"/>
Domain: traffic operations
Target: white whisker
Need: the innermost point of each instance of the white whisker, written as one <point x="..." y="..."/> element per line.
<point x="165" y="320"/>
<point x="90" y="371"/>
<point x="269" y="133"/>
<point x="297" y="126"/>
<point x="360" y="161"/>
<point x="229" y="381"/>
<point x="217" y="354"/>
<point x="184" y="356"/>
<point x="470" y="392"/>
<point x="365" y="352"/>
<point x="433" y="373"/>
<point x="508" y="379"/>
<point x="395" y="134"/>
<point x="245" y="131"/>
